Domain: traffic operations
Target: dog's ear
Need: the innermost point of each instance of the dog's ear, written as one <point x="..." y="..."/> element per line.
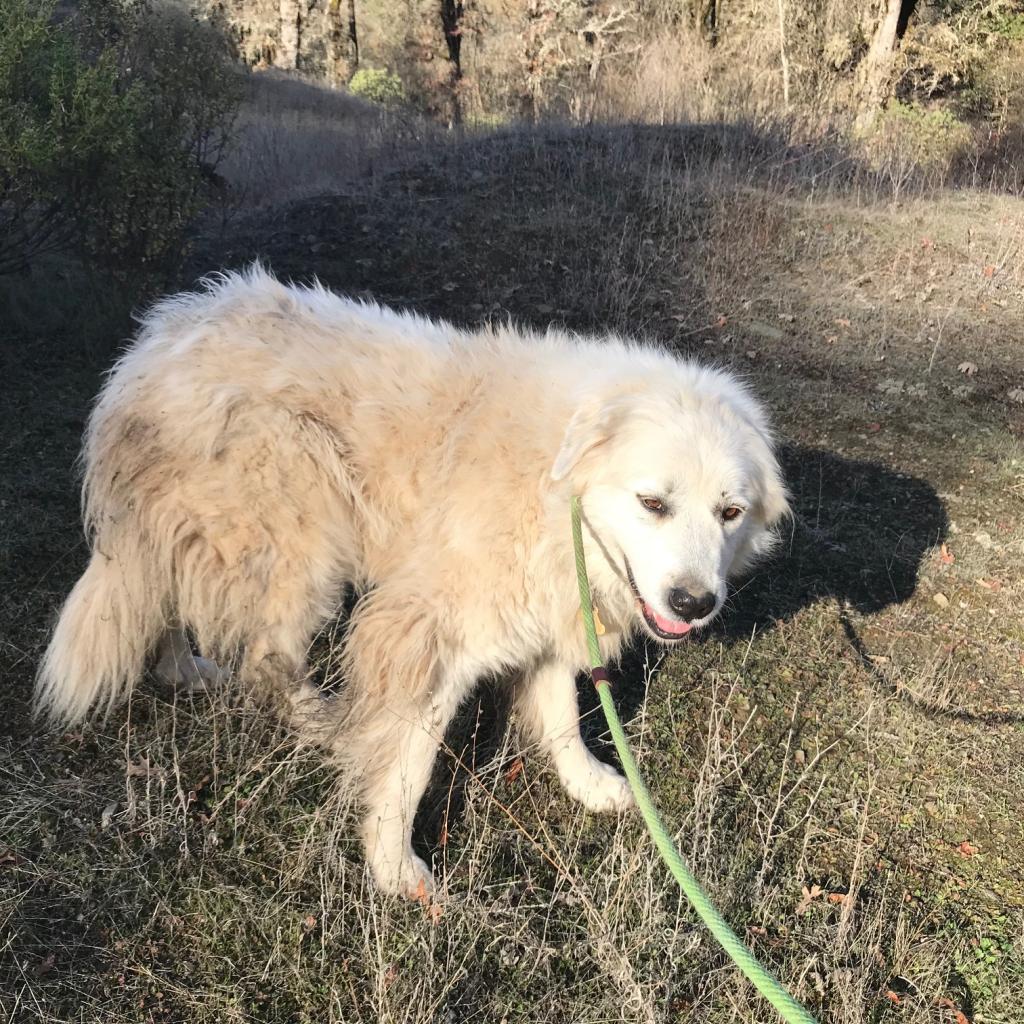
<point x="592" y="425"/>
<point x="773" y="498"/>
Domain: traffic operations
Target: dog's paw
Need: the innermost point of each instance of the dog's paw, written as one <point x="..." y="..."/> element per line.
<point x="599" y="787"/>
<point x="410" y="877"/>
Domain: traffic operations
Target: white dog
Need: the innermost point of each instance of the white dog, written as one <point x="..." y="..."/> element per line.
<point x="259" y="446"/>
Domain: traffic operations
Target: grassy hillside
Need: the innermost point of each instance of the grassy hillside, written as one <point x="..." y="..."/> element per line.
<point x="842" y="756"/>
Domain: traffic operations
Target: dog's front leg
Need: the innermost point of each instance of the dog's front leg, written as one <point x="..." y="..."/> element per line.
<point x="397" y="772"/>
<point x="547" y="709"/>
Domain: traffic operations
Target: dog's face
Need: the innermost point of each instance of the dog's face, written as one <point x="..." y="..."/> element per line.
<point x="677" y="495"/>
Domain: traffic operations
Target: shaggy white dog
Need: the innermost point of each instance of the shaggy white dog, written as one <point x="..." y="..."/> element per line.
<point x="259" y="446"/>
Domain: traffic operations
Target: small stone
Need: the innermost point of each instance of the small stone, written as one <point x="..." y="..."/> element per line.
<point x="984" y="540"/>
<point x="941" y="600"/>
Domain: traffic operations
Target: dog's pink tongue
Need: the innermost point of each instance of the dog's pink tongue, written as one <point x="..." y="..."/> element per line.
<point x="670" y="625"/>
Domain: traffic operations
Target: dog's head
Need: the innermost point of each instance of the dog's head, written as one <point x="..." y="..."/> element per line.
<point x="680" y="490"/>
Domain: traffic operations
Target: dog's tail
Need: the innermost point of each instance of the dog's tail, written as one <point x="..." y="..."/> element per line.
<point x="107" y="626"/>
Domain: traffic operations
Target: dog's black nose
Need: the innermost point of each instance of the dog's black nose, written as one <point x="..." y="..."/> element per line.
<point x="689" y="606"/>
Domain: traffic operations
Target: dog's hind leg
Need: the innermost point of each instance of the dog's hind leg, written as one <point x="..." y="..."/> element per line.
<point x="179" y="667"/>
<point x="548" y="712"/>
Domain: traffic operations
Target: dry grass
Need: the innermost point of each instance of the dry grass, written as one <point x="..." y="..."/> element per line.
<point x="841" y="758"/>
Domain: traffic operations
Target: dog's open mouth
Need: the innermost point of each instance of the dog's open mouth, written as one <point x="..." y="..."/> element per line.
<point x="667" y="629"/>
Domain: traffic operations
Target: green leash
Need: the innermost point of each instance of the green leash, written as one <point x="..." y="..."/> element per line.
<point x="765" y="982"/>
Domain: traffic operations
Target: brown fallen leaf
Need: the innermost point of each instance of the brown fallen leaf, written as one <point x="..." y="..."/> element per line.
<point x="958" y="1015"/>
<point x="892" y="997"/>
<point x="515" y="771"/>
<point x="988" y="270"/>
<point x="946" y="557"/>
<point x="966" y="850"/>
<point x="421" y="895"/>
<point x="809" y="895"/>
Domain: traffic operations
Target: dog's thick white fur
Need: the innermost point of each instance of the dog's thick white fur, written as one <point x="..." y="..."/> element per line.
<point x="260" y="446"/>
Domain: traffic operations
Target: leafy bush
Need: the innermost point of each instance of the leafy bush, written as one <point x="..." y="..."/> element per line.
<point x="927" y="138"/>
<point x="111" y="126"/>
<point x="378" y="86"/>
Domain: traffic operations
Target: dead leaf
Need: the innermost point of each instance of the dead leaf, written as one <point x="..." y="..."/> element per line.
<point x="988" y="270"/>
<point x="958" y="1015"/>
<point x="435" y="912"/>
<point x="1016" y="395"/>
<point x="993" y="585"/>
<point x="721" y="321"/>
<point x="421" y="895"/>
<point x="809" y="895"/>
<point x="842" y="898"/>
<point x="892" y="997"/>
<point x="515" y="771"/>
<point x="874" y="428"/>
<point x="841" y="321"/>
<point x="927" y="243"/>
<point x="308" y="923"/>
<point x="946" y="557"/>
<point x="966" y="850"/>
<point x="968" y="368"/>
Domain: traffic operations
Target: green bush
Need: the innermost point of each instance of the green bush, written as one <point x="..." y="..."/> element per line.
<point x="111" y="127"/>
<point x="927" y="138"/>
<point x="378" y="86"/>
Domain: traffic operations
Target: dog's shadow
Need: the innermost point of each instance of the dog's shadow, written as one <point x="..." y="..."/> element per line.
<point x="857" y="539"/>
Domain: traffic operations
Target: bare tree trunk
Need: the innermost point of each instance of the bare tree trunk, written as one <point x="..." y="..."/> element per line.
<point x="874" y="75"/>
<point x="353" y="39"/>
<point x="451" y="23"/>
<point x="344" y="41"/>
<point x="289" y="17"/>
<point x="782" y="54"/>
<point x="706" y="12"/>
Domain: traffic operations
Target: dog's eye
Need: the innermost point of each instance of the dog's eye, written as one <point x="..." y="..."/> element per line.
<point x="655" y="505"/>
<point x="731" y="513"/>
